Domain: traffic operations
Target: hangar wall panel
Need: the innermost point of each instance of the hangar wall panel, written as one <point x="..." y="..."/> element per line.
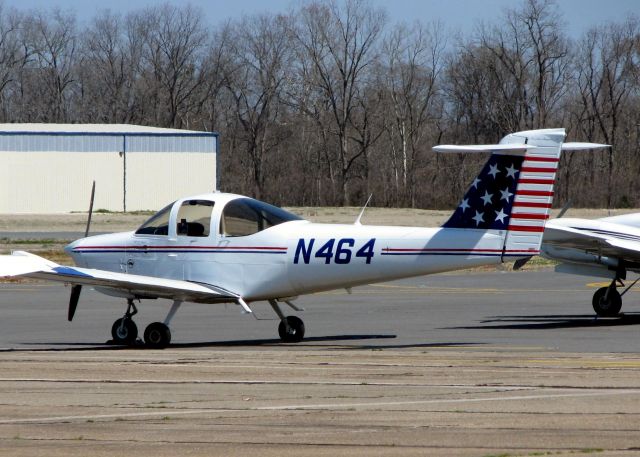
<point x="42" y="182"/>
<point x="152" y="187"/>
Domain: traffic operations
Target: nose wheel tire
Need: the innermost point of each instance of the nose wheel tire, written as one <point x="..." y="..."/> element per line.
<point x="292" y="331"/>
<point x="607" y="305"/>
<point x="157" y="335"/>
<point x="124" y="331"/>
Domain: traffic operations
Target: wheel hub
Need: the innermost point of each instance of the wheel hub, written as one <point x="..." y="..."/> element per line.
<point x="154" y="337"/>
<point x="123" y="332"/>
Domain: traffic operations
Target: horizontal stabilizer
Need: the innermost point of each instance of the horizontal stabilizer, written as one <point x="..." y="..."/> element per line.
<point x="583" y="146"/>
<point x="483" y="148"/>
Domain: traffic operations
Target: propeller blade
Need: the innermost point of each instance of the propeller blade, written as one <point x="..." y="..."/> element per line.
<point x="75" y="290"/>
<point x="93" y="194"/>
<point x="521" y="263"/>
<point x="564" y="209"/>
<point x="73" y="301"/>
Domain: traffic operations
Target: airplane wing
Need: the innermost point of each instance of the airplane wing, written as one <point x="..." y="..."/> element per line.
<point x="591" y="241"/>
<point x="133" y="286"/>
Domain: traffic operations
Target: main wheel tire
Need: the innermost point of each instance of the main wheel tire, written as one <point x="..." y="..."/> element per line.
<point x="609" y="306"/>
<point x="293" y="332"/>
<point x="124" y="332"/>
<point x="157" y="335"/>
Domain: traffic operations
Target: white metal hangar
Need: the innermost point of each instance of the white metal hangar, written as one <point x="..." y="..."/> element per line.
<point x="49" y="168"/>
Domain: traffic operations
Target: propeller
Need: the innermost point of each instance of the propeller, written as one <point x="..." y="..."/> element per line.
<point x="76" y="289"/>
<point x="93" y="194"/>
<point x="73" y="301"/>
<point x="564" y="209"/>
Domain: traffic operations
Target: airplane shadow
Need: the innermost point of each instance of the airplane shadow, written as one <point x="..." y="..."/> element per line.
<point x="309" y="342"/>
<point x="277" y="342"/>
<point x="110" y="346"/>
<point x="557" y="321"/>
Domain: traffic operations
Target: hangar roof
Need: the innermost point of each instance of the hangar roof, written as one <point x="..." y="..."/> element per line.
<point x="95" y="129"/>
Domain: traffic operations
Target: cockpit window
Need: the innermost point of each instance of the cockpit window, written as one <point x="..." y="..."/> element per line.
<point x="158" y="224"/>
<point x="245" y="216"/>
<point x="194" y="218"/>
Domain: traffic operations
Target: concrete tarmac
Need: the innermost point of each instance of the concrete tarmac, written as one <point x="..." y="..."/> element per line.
<point x="464" y="364"/>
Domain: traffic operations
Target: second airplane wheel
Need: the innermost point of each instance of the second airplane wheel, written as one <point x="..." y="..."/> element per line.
<point x="124" y="331"/>
<point x="609" y="306"/>
<point x="157" y="335"/>
<point x="295" y="331"/>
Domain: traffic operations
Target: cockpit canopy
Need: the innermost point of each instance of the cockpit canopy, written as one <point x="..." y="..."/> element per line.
<point x="246" y="216"/>
<point x="195" y="218"/>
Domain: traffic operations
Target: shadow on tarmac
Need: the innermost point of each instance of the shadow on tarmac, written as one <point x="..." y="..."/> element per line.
<point x="109" y="345"/>
<point x="558" y="321"/>
<point x="331" y="340"/>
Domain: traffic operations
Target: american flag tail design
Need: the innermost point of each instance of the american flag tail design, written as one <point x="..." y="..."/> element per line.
<point x="513" y="194"/>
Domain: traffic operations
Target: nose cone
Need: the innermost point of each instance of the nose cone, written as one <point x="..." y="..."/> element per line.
<point x="72" y="250"/>
<point x="100" y="251"/>
<point x="71" y="246"/>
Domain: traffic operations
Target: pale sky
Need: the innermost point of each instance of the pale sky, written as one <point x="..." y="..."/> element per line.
<point x="456" y="15"/>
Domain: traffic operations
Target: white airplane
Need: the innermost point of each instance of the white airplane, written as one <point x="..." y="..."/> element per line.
<point x="219" y="247"/>
<point x="607" y="248"/>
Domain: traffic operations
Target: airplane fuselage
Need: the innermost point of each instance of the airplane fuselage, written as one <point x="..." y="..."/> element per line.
<point x="294" y="258"/>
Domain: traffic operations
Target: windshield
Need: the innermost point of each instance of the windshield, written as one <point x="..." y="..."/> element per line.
<point x="245" y="216"/>
<point x="158" y="224"/>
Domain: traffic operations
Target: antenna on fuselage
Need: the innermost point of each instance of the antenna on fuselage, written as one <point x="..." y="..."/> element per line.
<point x="357" y="222"/>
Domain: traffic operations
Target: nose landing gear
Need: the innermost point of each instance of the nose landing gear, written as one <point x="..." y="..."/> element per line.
<point x="124" y="330"/>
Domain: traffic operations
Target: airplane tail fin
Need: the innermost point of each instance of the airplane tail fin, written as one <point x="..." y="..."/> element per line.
<point x="513" y="193"/>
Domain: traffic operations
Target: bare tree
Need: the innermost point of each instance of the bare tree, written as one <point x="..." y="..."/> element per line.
<point x="48" y="77"/>
<point x="411" y="73"/>
<point x="174" y="44"/>
<point x="339" y="45"/>
<point x="260" y="56"/>
<point x="549" y="51"/>
<point x="108" y="71"/>
<point x="607" y="75"/>
<point x="529" y="65"/>
<point x="13" y="56"/>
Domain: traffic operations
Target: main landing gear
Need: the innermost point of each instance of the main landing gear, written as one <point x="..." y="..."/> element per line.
<point x="607" y="301"/>
<point x="157" y="335"/>
<point x="291" y="328"/>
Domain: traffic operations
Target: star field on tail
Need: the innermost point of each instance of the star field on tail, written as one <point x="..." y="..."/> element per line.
<point x="488" y="202"/>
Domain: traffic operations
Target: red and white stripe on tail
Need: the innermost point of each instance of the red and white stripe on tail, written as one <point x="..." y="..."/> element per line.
<point x="534" y="193"/>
